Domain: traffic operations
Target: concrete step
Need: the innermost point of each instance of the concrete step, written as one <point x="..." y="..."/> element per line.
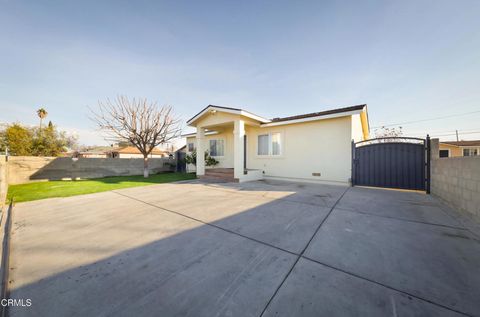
<point x="223" y="178"/>
<point x="219" y="174"/>
<point x="219" y="170"/>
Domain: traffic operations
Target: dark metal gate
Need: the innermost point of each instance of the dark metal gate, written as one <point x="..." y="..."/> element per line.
<point x="392" y="162"/>
<point x="181" y="164"/>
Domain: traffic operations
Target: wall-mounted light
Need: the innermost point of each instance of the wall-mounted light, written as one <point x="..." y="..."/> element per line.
<point x="213" y="111"/>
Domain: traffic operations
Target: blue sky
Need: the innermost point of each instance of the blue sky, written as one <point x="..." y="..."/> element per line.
<point x="408" y="60"/>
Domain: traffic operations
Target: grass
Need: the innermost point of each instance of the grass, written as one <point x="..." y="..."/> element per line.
<point x="42" y="190"/>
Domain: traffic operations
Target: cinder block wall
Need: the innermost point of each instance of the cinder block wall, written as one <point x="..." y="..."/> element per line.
<point x="24" y="169"/>
<point x="456" y="180"/>
<point x="3" y="180"/>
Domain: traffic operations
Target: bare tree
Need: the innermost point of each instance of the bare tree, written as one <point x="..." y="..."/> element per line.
<point x="139" y="122"/>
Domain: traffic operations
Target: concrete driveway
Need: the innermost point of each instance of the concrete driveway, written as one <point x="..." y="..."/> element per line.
<point x="253" y="249"/>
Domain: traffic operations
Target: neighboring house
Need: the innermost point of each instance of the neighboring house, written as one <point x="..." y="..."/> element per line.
<point x="459" y="148"/>
<point x="88" y="154"/>
<point x="85" y="154"/>
<point x="310" y="147"/>
<point x="133" y="152"/>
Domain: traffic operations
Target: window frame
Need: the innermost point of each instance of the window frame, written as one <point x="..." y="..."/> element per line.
<point x="193" y="146"/>
<point x="470" y="150"/>
<point x="270" y="145"/>
<point x="448" y="151"/>
<point x="224" y="147"/>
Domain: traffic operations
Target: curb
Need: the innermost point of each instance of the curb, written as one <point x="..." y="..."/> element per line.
<point x="5" y="229"/>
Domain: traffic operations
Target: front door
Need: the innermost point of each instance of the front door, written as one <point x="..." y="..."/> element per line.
<point x="245" y="152"/>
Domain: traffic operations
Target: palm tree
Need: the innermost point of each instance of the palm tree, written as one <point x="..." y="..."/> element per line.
<point x="42" y="113"/>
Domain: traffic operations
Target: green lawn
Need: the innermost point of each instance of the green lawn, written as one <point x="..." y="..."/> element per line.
<point x="42" y="190"/>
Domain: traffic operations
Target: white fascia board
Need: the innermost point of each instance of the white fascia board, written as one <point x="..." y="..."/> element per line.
<point x="195" y="134"/>
<point x="330" y="116"/>
<point x="254" y="116"/>
<point x="239" y="112"/>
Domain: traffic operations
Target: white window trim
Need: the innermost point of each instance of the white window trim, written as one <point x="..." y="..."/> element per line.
<point x="224" y="147"/>
<point x="470" y="149"/>
<point x="270" y="155"/>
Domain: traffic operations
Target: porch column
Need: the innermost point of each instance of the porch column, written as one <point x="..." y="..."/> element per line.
<point x="238" y="134"/>
<point x="200" y="151"/>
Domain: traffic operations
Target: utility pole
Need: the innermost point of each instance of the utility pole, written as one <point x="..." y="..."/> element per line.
<point x="456" y="132"/>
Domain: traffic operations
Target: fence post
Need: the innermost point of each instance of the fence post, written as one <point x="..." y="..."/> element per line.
<point x="428" y="164"/>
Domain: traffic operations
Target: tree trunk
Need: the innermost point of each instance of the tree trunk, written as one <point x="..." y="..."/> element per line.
<point x="145" y="166"/>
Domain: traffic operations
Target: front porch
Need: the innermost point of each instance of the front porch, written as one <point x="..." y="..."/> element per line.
<point x="224" y="137"/>
<point x="228" y="175"/>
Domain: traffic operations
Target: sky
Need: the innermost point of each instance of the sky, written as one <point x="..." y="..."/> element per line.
<point x="408" y="60"/>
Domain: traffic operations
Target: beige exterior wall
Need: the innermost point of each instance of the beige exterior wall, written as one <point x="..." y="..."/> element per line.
<point x="357" y="131"/>
<point x="454" y="151"/>
<point x="322" y="146"/>
<point x="313" y="147"/>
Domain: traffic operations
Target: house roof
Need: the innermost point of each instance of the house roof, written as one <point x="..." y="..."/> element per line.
<point x="462" y="143"/>
<point x="134" y="150"/>
<point x="321" y="113"/>
<point x="229" y="110"/>
<point x="284" y="120"/>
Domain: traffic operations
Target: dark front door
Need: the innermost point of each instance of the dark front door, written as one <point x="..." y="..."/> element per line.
<point x="245" y="152"/>
<point x="391" y="164"/>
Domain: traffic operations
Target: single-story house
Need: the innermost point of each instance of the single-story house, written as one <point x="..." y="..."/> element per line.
<point x="308" y="147"/>
<point x="133" y="152"/>
<point x="459" y="148"/>
<point x="86" y="154"/>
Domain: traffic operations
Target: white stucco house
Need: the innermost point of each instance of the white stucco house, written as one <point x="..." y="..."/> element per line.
<point x="309" y="147"/>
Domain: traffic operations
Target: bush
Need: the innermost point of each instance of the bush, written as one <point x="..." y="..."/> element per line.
<point x="192" y="159"/>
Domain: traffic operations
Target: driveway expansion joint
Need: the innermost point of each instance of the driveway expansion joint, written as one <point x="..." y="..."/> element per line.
<point x="385" y="285"/>
<point x="208" y="224"/>
<point x="401" y="219"/>
<point x="303" y="251"/>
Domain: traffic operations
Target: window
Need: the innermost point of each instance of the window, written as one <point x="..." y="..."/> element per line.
<point x="443" y="153"/>
<point x="216" y="147"/>
<point x="263" y="144"/>
<point x="191" y="147"/>
<point x="269" y="144"/>
<point x="276" y="146"/>
<point x="470" y="152"/>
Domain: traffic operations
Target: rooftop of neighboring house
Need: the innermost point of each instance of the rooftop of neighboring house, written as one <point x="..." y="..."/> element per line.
<point x="462" y="143"/>
<point x="134" y="150"/>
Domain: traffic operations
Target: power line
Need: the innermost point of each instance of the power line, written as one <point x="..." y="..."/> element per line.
<point x="441" y="131"/>
<point x="450" y="134"/>
<point x="423" y="120"/>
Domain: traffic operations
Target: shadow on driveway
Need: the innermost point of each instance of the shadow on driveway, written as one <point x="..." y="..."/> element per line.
<point x="233" y="250"/>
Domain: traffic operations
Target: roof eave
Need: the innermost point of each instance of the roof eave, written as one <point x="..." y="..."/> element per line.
<point x="240" y="112"/>
<point x="316" y="118"/>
